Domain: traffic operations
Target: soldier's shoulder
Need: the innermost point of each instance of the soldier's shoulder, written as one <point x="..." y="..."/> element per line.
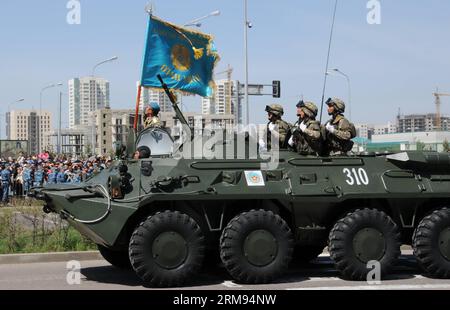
<point x="313" y="122"/>
<point x="344" y="122"/>
<point x="283" y="123"/>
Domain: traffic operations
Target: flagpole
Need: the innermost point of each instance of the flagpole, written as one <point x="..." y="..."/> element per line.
<point x="149" y="10"/>
<point x="138" y="101"/>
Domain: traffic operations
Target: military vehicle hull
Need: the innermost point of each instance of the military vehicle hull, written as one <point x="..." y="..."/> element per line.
<point x="174" y="215"/>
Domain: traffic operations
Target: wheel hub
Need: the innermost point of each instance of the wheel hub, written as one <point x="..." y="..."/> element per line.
<point x="369" y="244"/>
<point x="444" y="243"/>
<point x="260" y="247"/>
<point x="169" y="250"/>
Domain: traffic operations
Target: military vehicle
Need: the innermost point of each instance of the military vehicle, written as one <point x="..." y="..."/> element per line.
<point x="165" y="216"/>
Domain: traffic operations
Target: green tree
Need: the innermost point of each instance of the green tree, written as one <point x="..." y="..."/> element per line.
<point x="446" y="146"/>
<point x="420" y="146"/>
<point x="87" y="149"/>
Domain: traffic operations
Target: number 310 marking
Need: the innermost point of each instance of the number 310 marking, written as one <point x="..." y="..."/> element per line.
<point x="356" y="176"/>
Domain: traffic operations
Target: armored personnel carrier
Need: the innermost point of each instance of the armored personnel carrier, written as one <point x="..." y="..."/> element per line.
<point x="165" y="216"/>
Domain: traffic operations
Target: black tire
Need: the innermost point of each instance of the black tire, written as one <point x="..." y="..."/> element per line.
<point x="167" y="249"/>
<point x="431" y="244"/>
<point x="119" y="259"/>
<point x="363" y="236"/>
<point x="244" y="237"/>
<point x="305" y="253"/>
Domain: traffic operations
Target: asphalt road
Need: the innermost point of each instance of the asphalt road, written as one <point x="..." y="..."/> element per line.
<point x="100" y="275"/>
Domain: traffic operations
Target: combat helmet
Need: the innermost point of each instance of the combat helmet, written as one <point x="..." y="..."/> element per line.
<point x="275" y="109"/>
<point x="155" y="107"/>
<point x="338" y="104"/>
<point x="309" y="108"/>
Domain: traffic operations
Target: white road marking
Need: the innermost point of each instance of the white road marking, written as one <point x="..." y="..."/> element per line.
<point x="322" y="279"/>
<point x="376" y="287"/>
<point x="231" y="284"/>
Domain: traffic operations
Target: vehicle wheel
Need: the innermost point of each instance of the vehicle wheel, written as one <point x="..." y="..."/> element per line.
<point x="306" y="253"/>
<point x="119" y="259"/>
<point x="167" y="249"/>
<point x="364" y="236"/>
<point x="431" y="243"/>
<point x="256" y="247"/>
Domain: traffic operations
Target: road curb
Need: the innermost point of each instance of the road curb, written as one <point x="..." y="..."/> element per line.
<point x="48" y="257"/>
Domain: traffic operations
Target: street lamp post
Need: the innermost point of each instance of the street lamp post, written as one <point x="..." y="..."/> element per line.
<point x="94" y="108"/>
<point x="16" y="101"/>
<point x="1" y="115"/>
<point x="59" y="143"/>
<point x="9" y="110"/>
<point x="342" y="74"/>
<point x="196" y="22"/>
<point x="103" y="62"/>
<point x="40" y="112"/>
<point x="42" y="91"/>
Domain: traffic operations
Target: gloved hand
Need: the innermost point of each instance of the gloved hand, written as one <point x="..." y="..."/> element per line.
<point x="302" y="126"/>
<point x="262" y="145"/>
<point x="291" y="141"/>
<point x="330" y="128"/>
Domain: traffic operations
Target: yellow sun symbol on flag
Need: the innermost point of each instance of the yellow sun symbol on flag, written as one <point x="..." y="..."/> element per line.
<point x="181" y="58"/>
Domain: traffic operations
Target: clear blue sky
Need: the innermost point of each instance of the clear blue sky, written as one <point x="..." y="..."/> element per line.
<point x="397" y="64"/>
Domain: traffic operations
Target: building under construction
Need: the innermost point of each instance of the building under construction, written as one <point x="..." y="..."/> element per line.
<point x="422" y="123"/>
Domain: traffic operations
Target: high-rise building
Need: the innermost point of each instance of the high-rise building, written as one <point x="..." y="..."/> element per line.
<point x="159" y="96"/>
<point x="29" y="125"/>
<point x="103" y="130"/>
<point x="122" y="123"/>
<point x="368" y="130"/>
<point x="86" y="95"/>
<point x="226" y="100"/>
<point x="112" y="126"/>
<point x="421" y="122"/>
<point x="383" y="129"/>
<point x="71" y="141"/>
<point x="198" y="122"/>
<point x="362" y="130"/>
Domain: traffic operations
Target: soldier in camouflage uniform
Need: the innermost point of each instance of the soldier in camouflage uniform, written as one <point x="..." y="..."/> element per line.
<point x="275" y="125"/>
<point x="306" y="136"/>
<point x="151" y="118"/>
<point x="338" y="131"/>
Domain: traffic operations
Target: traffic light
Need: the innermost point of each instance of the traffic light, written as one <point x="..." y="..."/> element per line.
<point x="276" y="85"/>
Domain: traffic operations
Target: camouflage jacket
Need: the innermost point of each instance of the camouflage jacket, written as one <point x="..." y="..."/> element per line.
<point x="340" y="140"/>
<point x="308" y="142"/>
<point x="153" y="122"/>
<point x="282" y="130"/>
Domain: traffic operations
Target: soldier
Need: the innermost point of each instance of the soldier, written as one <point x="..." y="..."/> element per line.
<point x="306" y="137"/>
<point x="339" y="131"/>
<point x="277" y="125"/>
<point x="39" y="177"/>
<point x="26" y="179"/>
<point x="51" y="178"/>
<point x="151" y="118"/>
<point x="60" y="176"/>
<point x="76" y="177"/>
<point x="6" y="180"/>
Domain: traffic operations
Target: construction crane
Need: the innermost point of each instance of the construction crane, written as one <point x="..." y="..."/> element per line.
<point x="229" y="90"/>
<point x="438" y="96"/>
<point x="229" y="72"/>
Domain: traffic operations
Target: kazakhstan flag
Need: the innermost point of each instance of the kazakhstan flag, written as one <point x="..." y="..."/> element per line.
<point x="185" y="59"/>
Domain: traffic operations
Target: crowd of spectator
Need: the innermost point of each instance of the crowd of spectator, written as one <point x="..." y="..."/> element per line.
<point x="19" y="175"/>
